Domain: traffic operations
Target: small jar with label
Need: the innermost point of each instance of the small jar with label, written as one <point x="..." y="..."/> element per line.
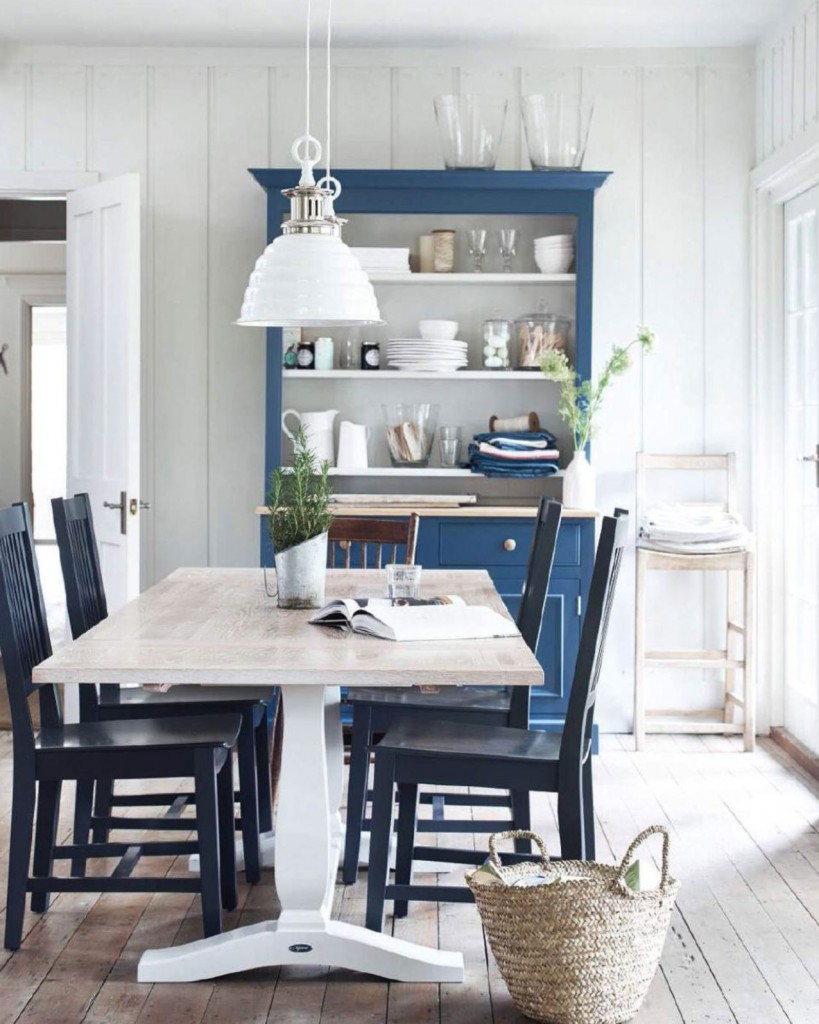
<point x="324" y="353"/>
<point x="291" y="358"/>
<point x="306" y="355"/>
<point x="370" y="355"/>
<point x="497" y="337"/>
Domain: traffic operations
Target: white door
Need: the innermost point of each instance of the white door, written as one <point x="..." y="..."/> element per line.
<point x="103" y="299"/>
<point x="801" y="468"/>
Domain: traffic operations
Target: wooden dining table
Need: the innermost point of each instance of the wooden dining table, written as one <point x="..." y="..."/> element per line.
<point x="211" y="626"/>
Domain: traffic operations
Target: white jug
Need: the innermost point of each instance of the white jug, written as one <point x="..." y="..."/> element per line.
<point x="352" y="445"/>
<point x="318" y="431"/>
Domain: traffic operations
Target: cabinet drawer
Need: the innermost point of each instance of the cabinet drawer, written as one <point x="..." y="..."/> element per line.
<point x="498" y="543"/>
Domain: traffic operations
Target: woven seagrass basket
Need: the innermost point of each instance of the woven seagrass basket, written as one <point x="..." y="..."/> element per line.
<point x="582" y="950"/>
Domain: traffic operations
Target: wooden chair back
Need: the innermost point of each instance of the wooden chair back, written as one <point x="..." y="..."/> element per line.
<point x="347" y="531"/>
<point x="726" y="463"/>
<point x="82" y="575"/>
<point x="575" y="745"/>
<point x="533" y="601"/>
<point x="24" y="638"/>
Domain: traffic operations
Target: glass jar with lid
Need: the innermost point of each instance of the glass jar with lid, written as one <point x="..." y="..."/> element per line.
<point x="497" y="339"/>
<point x="539" y="333"/>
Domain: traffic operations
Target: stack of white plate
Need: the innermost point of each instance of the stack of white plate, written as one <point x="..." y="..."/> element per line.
<point x="554" y="254"/>
<point x="419" y="354"/>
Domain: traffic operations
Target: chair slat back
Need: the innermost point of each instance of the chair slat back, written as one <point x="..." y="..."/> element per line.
<point x="722" y="463"/>
<point x="24" y="638"/>
<point x="79" y="559"/>
<point x="390" y="534"/>
<point x="533" y="601"/>
<point x="575" y="745"/>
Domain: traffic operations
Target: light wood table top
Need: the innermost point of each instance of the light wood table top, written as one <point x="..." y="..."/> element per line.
<point x="449" y="511"/>
<point x="217" y="626"/>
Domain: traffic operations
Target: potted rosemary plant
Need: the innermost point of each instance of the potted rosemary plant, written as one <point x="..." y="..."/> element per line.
<point x="300" y="516"/>
<point x="580" y="403"/>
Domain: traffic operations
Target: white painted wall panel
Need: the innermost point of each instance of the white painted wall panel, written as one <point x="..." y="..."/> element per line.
<point x="178" y="168"/>
<point x="664" y="124"/>
<point x="236" y="236"/>
<point x="12" y="118"/>
<point x="56" y="130"/>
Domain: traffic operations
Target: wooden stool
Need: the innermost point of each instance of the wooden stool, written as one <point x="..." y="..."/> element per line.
<point x="733" y="564"/>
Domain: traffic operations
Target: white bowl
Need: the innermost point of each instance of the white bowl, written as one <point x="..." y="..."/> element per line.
<point x="554" y="264"/>
<point x="438" y="330"/>
<point x="552" y="239"/>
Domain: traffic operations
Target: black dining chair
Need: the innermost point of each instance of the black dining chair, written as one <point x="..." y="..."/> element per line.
<point x="376" y="709"/>
<point x="87" y="606"/>
<point x="197" y="746"/>
<point x="423" y="752"/>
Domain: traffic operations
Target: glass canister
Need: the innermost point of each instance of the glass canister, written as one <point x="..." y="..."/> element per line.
<point x="497" y="340"/>
<point x="538" y="333"/>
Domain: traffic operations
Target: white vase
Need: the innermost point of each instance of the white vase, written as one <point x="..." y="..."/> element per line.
<point x="579" y="483"/>
<point x="301" y="572"/>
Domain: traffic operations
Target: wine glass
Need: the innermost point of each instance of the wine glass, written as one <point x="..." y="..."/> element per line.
<point x="477" y="248"/>
<point x="508" y="239"/>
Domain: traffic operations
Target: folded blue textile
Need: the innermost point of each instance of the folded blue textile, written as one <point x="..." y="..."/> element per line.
<point x="519" y="468"/>
<point x="512" y="439"/>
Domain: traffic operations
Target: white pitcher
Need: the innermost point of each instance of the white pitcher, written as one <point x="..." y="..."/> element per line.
<point x="352" y="445"/>
<point x="318" y="431"/>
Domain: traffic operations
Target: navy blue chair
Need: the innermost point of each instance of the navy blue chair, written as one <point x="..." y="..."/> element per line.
<point x="87" y="606"/>
<point x="422" y="752"/>
<point x="197" y="746"/>
<point x="375" y="710"/>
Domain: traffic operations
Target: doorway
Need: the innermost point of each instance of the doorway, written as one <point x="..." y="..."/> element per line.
<point x="801" y="467"/>
<point x="48" y="420"/>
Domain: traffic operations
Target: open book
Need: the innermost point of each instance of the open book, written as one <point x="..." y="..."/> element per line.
<point x="441" y="618"/>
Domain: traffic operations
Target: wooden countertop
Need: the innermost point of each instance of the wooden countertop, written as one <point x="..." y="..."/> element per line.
<point x="459" y="512"/>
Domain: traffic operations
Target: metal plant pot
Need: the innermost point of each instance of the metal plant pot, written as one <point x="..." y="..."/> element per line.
<point x="301" y="572"/>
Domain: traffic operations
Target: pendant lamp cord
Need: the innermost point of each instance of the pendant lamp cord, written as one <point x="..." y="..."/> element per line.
<point x="327" y="172"/>
<point x="307" y="71"/>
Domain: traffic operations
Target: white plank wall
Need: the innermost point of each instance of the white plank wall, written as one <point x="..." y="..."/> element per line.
<point x="676" y="127"/>
<point x="788" y="96"/>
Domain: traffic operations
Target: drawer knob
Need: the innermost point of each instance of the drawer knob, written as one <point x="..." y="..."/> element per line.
<point x="510" y="544"/>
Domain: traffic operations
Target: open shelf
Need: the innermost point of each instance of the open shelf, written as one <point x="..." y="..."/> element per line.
<point x="376" y="375"/>
<point x="473" y="278"/>
<point x="428" y="471"/>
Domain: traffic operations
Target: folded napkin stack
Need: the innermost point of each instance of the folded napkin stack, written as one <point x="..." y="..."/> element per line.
<point x="514" y="454"/>
<point x="691" y="528"/>
<point x="383" y="260"/>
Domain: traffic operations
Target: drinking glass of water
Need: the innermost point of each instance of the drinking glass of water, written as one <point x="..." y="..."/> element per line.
<point x="403" y="581"/>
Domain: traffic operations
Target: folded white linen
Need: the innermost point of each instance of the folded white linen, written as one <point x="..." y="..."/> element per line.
<point x="685" y="526"/>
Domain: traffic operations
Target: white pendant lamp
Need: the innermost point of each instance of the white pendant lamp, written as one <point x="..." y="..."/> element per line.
<point x="308" y="277"/>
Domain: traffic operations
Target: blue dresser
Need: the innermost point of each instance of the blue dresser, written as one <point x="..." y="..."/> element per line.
<point x="393" y="208"/>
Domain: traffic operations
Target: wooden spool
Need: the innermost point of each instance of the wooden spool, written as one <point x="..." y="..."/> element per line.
<point x="526" y="421"/>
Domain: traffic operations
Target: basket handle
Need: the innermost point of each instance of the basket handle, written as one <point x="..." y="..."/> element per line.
<point x="517" y="833"/>
<point x="619" y="879"/>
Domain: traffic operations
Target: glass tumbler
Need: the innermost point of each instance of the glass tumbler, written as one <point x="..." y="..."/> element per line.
<point x="470" y="128"/>
<point x="403" y="581"/>
<point x="557" y="130"/>
<point x="449" y="438"/>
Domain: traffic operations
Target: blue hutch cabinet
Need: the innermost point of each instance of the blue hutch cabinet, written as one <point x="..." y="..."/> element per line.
<point x="494" y="534"/>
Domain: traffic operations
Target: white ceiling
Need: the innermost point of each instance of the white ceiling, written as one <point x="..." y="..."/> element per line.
<point x="423" y="23"/>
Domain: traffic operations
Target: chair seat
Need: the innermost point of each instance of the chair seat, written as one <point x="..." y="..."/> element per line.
<point x="439" y="739"/>
<point x="477" y="698"/>
<point x="133" y="695"/>
<point x="143" y="734"/>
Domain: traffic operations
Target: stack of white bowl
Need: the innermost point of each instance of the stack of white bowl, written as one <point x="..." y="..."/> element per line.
<point x="554" y="254"/>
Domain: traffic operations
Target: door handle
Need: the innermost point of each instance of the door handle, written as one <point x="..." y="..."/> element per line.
<point x="134" y="506"/>
<point x="122" y="506"/>
<point x="814" y="459"/>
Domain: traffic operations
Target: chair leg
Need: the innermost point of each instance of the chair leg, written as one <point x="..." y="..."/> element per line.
<point x="732" y="609"/>
<point x="522" y="818"/>
<point x="83" y="802"/>
<point x="261" y="737"/>
<point x="227" y="834"/>
<point x="360" y="741"/>
<point x="22" y="823"/>
<point x="248" y="799"/>
<point x="570" y="814"/>
<point x="639" y="655"/>
<point x="207" y="828"/>
<point x="588" y="810"/>
<point x="749" y="656"/>
<point x="103" y="791"/>
<point x="380" y="834"/>
<point x="45" y="835"/>
<point x="407" y="811"/>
